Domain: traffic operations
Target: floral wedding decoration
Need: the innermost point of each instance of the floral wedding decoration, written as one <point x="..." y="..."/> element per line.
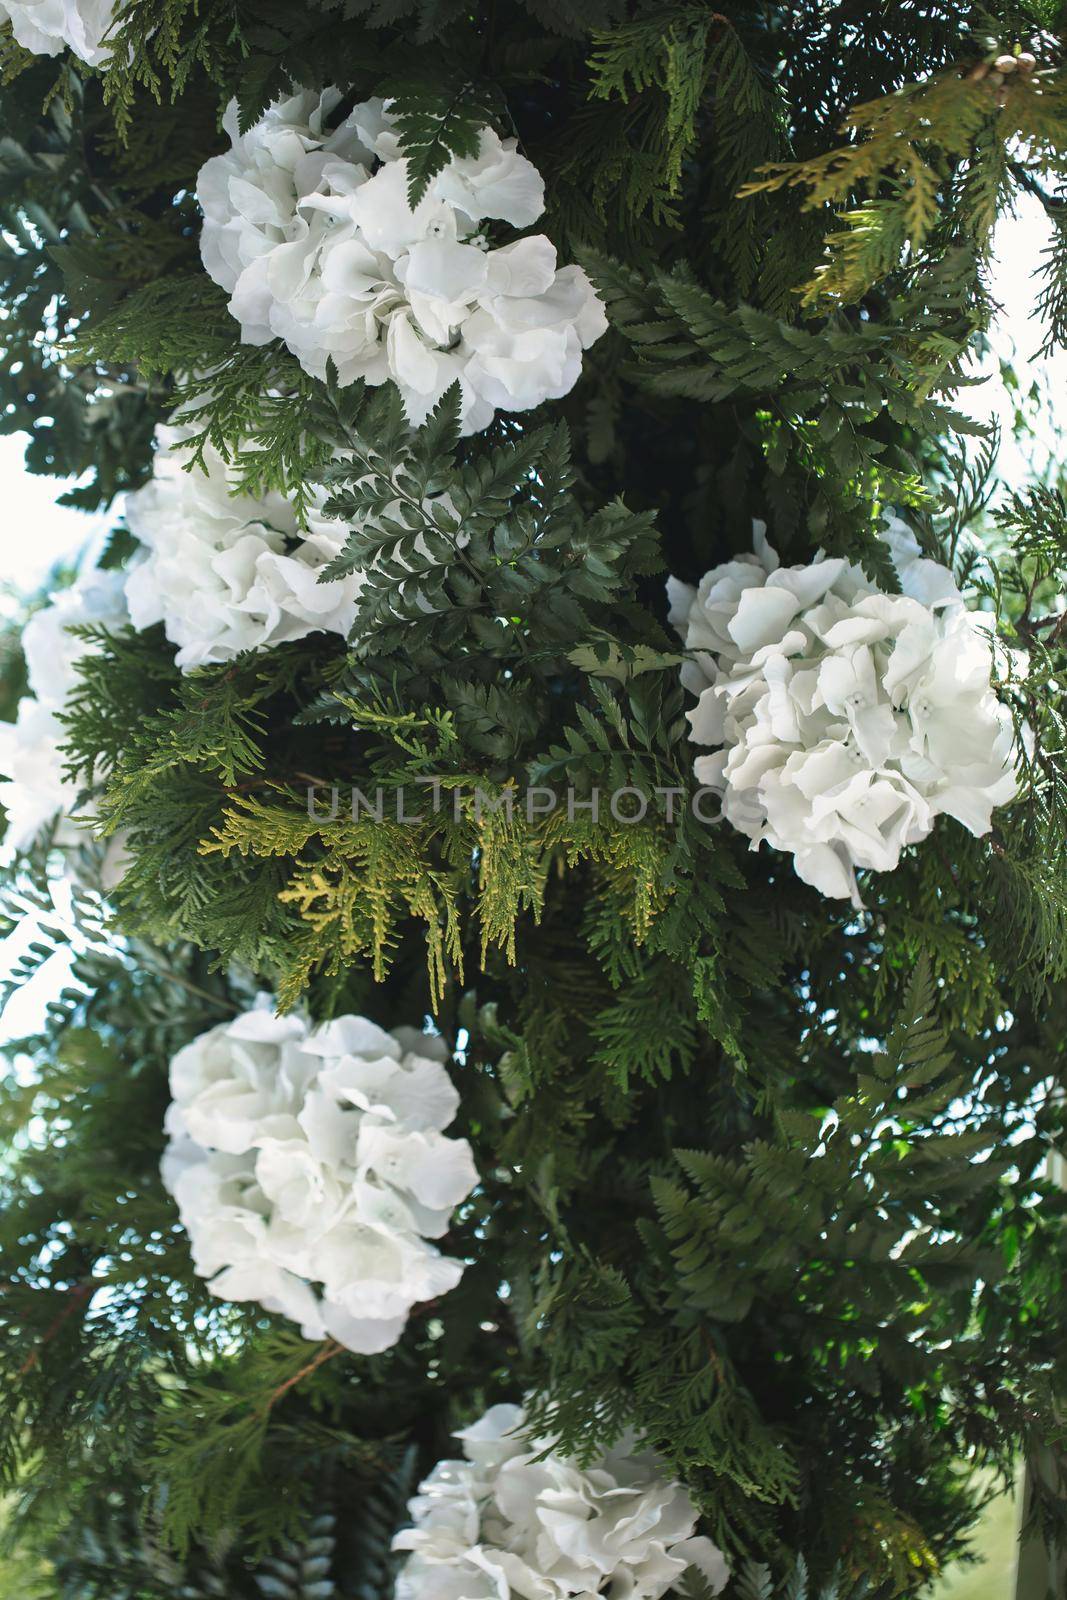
<point x="310" y="230"/>
<point x="844" y="720"/>
<point x="225" y="572"/>
<point x="302" y="1158"/>
<point x="515" y="1517"/>
<point x="38" y="790"/>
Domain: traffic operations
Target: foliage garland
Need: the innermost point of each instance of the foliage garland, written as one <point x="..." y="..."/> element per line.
<point x="763" y="1179"/>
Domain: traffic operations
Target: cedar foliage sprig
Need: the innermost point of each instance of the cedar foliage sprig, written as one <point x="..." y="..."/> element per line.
<point x="902" y="149"/>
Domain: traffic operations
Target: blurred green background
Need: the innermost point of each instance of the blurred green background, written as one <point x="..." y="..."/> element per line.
<point x="994" y="1578"/>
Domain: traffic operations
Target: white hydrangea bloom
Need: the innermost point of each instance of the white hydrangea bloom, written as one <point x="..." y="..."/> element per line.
<point x="312" y="235"/>
<point x="31" y="758"/>
<point x="847" y="719"/>
<point x="303" y="1158"/>
<point x="36" y="791"/>
<point x="46" y="27"/>
<point x="504" y="1523"/>
<point x="226" y="573"/>
<point x="52" y="650"/>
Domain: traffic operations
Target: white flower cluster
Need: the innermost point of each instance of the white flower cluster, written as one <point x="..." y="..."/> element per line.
<point x="46" y="27"/>
<point x="30" y="755"/>
<point x="848" y="719"/>
<point x="504" y="1523"/>
<point x="224" y="572"/>
<point x="300" y="1158"/>
<point x="312" y="235"/>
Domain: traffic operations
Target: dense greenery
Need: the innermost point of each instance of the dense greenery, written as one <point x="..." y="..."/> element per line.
<point x="763" y="1177"/>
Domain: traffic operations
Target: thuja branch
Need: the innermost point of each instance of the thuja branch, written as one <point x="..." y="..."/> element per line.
<point x="329" y="1349"/>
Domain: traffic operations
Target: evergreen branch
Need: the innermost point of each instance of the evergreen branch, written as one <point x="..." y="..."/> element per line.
<point x="903" y="150"/>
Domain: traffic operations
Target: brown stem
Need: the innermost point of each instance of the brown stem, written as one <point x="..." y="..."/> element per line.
<point x="330" y="1349"/>
<point x="76" y="1296"/>
<point x="714" y="1358"/>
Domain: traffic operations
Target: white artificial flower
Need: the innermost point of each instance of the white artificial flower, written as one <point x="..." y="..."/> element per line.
<point x="312" y="235"/>
<point x="513" y="1520"/>
<point x="846" y="720"/>
<point x="230" y="1081"/>
<point x="52" y="650"/>
<point x="36" y="792"/>
<point x="32" y="760"/>
<point x="224" y="572"/>
<point x="303" y="1158"/>
<point x="46" y="27"/>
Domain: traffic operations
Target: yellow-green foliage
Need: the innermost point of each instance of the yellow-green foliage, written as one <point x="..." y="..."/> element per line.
<point x="355" y="883"/>
<point x="902" y="150"/>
